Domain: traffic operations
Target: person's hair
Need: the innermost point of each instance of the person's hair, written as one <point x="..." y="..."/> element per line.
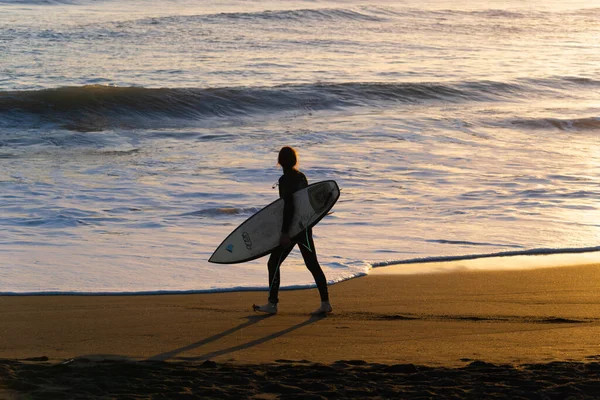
<point x="287" y="157"/>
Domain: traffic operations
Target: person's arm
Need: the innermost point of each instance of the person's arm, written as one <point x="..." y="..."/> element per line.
<point x="287" y="194"/>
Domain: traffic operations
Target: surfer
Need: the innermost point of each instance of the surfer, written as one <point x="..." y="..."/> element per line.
<point x="291" y="181"/>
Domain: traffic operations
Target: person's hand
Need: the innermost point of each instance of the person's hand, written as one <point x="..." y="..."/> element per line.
<point x="285" y="240"/>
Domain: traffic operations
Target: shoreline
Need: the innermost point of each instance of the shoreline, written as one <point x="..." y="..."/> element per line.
<point x="522" y="260"/>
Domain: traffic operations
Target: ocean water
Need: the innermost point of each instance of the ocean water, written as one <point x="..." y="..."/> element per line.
<point x="136" y="134"/>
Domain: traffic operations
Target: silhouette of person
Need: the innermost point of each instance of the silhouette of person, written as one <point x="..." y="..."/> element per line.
<point x="291" y="181"/>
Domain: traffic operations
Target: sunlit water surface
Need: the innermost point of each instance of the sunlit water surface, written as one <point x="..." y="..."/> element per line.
<point x="135" y="135"/>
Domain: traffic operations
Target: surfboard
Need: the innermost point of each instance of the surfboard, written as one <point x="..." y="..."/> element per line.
<point x="259" y="235"/>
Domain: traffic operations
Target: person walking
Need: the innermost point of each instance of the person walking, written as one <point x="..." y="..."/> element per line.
<point x="290" y="182"/>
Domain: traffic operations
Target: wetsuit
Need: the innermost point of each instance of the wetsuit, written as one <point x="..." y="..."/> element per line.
<point x="290" y="182"/>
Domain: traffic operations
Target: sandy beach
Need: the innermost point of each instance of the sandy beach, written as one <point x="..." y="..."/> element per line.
<point x="463" y="251"/>
<point x="512" y="333"/>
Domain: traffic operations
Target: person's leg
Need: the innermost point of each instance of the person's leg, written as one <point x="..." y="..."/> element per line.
<point x="309" y="253"/>
<point x="277" y="257"/>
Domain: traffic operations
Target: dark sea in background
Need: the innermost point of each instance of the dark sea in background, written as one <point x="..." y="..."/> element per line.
<point x="136" y="134"/>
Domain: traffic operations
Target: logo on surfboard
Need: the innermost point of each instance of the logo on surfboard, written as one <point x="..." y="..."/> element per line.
<point x="247" y="240"/>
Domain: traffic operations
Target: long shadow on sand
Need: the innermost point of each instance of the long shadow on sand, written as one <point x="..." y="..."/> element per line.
<point x="251" y="321"/>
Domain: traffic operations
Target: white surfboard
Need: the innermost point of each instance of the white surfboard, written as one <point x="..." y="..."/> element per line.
<point x="259" y="235"/>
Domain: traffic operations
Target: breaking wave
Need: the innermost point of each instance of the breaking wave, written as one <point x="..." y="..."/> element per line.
<point x="97" y="107"/>
<point x="303" y="15"/>
<point x="575" y="124"/>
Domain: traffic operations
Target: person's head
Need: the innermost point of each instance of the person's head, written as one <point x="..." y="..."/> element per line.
<point x="288" y="158"/>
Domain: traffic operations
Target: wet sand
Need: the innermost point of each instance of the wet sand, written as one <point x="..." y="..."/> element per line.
<point x="513" y="333"/>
